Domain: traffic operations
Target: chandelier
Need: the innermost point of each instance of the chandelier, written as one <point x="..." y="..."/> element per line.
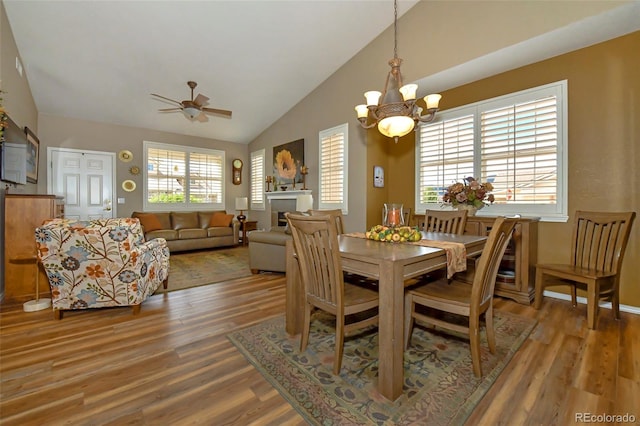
<point x="398" y="113"/>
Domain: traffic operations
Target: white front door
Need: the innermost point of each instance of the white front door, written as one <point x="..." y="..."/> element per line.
<point x="86" y="180"/>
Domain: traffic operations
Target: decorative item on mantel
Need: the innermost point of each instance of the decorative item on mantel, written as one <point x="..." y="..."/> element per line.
<point x="269" y="182"/>
<point x="304" y="171"/>
<point x="470" y="195"/>
<point x="397" y="114"/>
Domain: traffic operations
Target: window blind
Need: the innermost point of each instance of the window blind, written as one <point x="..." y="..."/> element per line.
<point x="257" y="180"/>
<point x="333" y="161"/>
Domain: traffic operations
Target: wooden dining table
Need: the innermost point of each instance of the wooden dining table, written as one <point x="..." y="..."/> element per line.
<point x="392" y="264"/>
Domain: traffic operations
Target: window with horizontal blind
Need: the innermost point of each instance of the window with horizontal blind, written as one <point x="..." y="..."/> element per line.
<point x="333" y="168"/>
<point x="517" y="142"/>
<point x="182" y="178"/>
<point x="257" y="180"/>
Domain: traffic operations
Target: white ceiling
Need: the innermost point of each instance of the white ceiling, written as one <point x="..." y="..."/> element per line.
<point x="101" y="60"/>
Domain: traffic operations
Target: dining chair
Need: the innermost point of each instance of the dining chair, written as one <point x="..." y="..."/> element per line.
<point x="460" y="298"/>
<point x="315" y="242"/>
<point x="335" y="213"/>
<point x="597" y="249"/>
<point x="449" y="221"/>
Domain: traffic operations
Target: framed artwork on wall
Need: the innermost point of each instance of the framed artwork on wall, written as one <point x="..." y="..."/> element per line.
<point x="288" y="160"/>
<point x="33" y="153"/>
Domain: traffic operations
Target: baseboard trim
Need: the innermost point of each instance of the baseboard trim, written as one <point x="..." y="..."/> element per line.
<point x="583" y="300"/>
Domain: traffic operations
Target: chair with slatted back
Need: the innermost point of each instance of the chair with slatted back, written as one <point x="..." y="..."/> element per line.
<point x="335" y="213"/>
<point x="449" y="221"/>
<point x="315" y="242"/>
<point x="597" y="249"/>
<point x="460" y="298"/>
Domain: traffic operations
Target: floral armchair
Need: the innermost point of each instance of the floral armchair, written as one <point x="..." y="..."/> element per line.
<point x="100" y="263"/>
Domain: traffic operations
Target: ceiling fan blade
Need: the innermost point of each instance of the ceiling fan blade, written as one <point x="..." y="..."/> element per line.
<point x="200" y="100"/>
<point x="217" y="111"/>
<point x="171" y="100"/>
<point x="170" y="109"/>
<point x="202" y="117"/>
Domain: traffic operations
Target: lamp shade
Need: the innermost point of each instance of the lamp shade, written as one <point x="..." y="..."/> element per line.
<point x="304" y="202"/>
<point x="242" y="203"/>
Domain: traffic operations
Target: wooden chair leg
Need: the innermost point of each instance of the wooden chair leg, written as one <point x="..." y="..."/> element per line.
<point x="592" y="304"/>
<point x="165" y="283"/>
<point x="539" y="289"/>
<point x="574" y="296"/>
<point x="304" y="337"/>
<point x="615" y="303"/>
<point x="337" y="362"/>
<point x="491" y="335"/>
<point x="57" y="314"/>
<point x="136" y="309"/>
<point x="474" y="342"/>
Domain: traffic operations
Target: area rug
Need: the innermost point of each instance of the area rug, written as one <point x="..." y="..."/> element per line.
<point x="439" y="386"/>
<point x="202" y="267"/>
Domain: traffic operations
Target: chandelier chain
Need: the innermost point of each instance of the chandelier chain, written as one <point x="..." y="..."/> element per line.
<point x="395" y="29"/>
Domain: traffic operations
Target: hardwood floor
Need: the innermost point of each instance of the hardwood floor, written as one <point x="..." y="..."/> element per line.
<point x="173" y="364"/>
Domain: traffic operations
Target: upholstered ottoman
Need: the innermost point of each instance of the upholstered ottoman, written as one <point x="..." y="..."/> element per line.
<point x="267" y="250"/>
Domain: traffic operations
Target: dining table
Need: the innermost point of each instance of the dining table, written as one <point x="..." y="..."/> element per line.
<point x="392" y="265"/>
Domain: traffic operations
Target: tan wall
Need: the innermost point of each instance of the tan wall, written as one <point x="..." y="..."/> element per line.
<point x="81" y="134"/>
<point x="604" y="140"/>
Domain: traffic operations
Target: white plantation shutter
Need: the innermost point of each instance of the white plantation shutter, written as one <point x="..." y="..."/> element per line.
<point x="517" y="142"/>
<point x="446" y="153"/>
<point x="183" y="178"/>
<point x="333" y="166"/>
<point x="519" y="150"/>
<point x="257" y="180"/>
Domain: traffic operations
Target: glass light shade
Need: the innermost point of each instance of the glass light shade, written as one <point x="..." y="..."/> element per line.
<point x="362" y="111"/>
<point x="409" y="91"/>
<point x="398" y="125"/>
<point x="373" y="97"/>
<point x="242" y="203"/>
<point x="304" y="202"/>
<point x="432" y="100"/>
<point x="191" y="112"/>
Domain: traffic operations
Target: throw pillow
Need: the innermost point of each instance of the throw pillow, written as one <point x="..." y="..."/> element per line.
<point x="220" y="219"/>
<point x="149" y="221"/>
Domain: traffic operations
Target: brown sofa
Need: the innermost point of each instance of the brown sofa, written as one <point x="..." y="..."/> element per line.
<point x="190" y="230"/>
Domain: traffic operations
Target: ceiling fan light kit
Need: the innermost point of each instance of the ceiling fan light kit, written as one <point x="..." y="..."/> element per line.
<point x="398" y="113"/>
<point x="193" y="108"/>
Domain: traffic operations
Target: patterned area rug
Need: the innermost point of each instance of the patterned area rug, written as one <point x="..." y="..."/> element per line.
<point x="439" y="387"/>
<point x="201" y="267"/>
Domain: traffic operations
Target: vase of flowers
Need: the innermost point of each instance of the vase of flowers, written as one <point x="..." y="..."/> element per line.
<point x="470" y="194"/>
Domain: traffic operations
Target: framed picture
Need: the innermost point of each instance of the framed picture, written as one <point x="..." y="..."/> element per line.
<point x="33" y="154"/>
<point x="288" y="160"/>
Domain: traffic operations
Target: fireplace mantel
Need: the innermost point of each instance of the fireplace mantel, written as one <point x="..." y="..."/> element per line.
<point x="286" y="195"/>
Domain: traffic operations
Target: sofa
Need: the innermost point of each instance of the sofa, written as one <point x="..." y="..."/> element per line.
<point x="100" y="263"/>
<point x="267" y="249"/>
<point x="191" y="230"/>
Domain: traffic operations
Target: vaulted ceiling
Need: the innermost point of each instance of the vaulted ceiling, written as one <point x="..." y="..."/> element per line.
<point x="101" y="60"/>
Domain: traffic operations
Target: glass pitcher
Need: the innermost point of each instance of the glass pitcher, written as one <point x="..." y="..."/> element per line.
<point x="392" y="215"/>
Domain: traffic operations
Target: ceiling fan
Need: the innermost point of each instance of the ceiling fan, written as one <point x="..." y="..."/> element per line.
<point x="193" y="108"/>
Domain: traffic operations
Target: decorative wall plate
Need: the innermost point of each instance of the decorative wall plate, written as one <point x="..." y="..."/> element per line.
<point x="134" y="170"/>
<point x="129" y="185"/>
<point x="125" y="155"/>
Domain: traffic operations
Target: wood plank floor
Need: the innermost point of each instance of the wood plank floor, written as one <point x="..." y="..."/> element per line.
<point x="172" y="364"/>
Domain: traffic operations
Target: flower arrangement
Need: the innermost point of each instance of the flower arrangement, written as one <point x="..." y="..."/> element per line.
<point x="469" y="192"/>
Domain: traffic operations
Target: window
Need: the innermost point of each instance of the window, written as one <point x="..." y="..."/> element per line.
<point x="517" y="142"/>
<point x="333" y="168"/>
<point x="179" y="178"/>
<point x="257" y="180"/>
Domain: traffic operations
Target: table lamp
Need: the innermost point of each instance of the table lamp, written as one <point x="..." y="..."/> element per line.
<point x="304" y="203"/>
<point x="242" y="204"/>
